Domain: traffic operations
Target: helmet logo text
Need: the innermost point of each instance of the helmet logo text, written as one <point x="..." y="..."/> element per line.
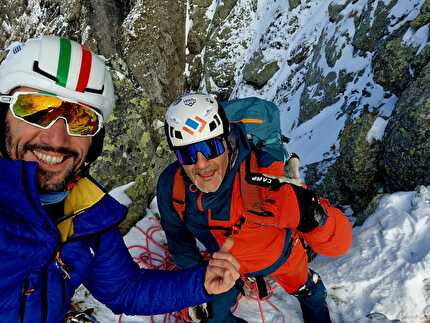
<point x="189" y="101"/>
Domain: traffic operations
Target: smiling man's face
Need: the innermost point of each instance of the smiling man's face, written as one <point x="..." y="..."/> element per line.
<point x="58" y="154"/>
<point x="208" y="175"/>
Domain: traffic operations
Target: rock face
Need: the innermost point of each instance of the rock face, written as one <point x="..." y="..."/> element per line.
<point x="354" y="178"/>
<point x="134" y="150"/>
<point x="406" y="142"/>
<point x="258" y="73"/>
<point x="352" y="62"/>
<point x="153" y="47"/>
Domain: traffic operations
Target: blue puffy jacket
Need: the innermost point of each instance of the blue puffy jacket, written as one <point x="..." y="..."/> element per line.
<point x="33" y="286"/>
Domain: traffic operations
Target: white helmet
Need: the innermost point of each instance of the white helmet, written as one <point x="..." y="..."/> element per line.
<point x="193" y="118"/>
<point x="60" y="66"/>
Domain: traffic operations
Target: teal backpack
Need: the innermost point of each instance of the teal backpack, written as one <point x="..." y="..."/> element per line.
<point x="261" y="120"/>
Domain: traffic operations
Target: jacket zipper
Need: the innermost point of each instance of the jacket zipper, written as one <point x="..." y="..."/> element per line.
<point x="44" y="300"/>
<point x="23" y="301"/>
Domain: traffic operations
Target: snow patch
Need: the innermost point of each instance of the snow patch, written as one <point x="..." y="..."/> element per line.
<point x="119" y="194"/>
<point x="210" y="12"/>
<point x="404" y="11"/>
<point x="377" y="130"/>
<point x="386" y="269"/>
<point x="314" y="139"/>
<point x="417" y="38"/>
<point x="134" y="14"/>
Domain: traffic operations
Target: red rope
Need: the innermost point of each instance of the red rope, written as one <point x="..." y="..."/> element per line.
<point x="254" y="295"/>
<point x="162" y="260"/>
<point x="150" y="259"/>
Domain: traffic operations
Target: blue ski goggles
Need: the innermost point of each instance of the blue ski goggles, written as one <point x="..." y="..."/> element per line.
<point x="211" y="148"/>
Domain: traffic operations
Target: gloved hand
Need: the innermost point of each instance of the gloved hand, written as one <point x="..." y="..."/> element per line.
<point x="195" y="314"/>
<point x="312" y="213"/>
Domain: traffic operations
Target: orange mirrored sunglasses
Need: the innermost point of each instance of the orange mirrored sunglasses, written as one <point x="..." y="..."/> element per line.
<point x="42" y="110"/>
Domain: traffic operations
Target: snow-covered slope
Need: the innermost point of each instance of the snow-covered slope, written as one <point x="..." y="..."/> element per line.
<point x="280" y="32"/>
<point x="386" y="271"/>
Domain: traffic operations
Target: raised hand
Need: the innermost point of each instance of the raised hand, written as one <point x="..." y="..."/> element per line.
<point x="222" y="271"/>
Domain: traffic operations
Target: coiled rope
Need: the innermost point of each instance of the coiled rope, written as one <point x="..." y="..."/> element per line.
<point x="146" y="256"/>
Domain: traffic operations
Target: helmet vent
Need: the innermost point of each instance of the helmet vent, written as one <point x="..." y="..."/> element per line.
<point x="217" y="119"/>
<point x="17" y="49"/>
<point x="212" y="125"/>
<point x="178" y="135"/>
<point x="95" y="90"/>
<point x="38" y="70"/>
<point x="171" y="131"/>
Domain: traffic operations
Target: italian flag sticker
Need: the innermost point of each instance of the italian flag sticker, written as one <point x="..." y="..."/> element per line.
<point x="74" y="65"/>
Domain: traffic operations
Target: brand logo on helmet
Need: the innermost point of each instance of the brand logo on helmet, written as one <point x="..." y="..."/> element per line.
<point x="189" y="101"/>
<point x="17" y="49"/>
<point x="195" y="124"/>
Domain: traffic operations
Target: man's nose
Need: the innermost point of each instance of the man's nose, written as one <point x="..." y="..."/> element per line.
<point x="202" y="162"/>
<point x="56" y="135"/>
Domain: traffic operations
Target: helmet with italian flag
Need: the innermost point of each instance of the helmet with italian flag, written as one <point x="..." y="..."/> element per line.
<point x="60" y="66"/>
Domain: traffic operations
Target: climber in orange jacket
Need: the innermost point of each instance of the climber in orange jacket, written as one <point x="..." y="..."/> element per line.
<point x="220" y="187"/>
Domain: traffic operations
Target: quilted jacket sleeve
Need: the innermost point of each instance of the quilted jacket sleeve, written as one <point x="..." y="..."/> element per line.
<point x="181" y="243"/>
<point x="116" y="281"/>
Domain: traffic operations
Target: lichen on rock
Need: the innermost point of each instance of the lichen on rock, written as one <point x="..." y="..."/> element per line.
<point x="135" y="149"/>
<point x="372" y="25"/>
<point x="407" y="138"/>
<point x="354" y="177"/>
<point x="396" y="63"/>
<point x="258" y="72"/>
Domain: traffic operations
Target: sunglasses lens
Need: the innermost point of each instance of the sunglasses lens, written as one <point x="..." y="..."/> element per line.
<point x="211" y="148"/>
<point x="82" y="120"/>
<point x="42" y="110"/>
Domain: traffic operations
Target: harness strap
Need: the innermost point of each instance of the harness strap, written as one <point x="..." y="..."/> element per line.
<point x="251" y="181"/>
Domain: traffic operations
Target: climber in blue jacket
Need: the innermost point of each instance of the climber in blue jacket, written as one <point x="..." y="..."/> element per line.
<point x="58" y="228"/>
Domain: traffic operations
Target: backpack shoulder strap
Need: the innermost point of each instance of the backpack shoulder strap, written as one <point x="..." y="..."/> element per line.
<point x="251" y="194"/>
<point x="178" y="194"/>
<point x="254" y="178"/>
<point x="261" y="176"/>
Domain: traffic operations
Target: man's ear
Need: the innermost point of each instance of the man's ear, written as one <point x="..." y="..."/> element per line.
<point x="96" y="146"/>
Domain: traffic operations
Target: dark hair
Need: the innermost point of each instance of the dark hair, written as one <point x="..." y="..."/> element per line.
<point x="96" y="146"/>
<point x="4" y="107"/>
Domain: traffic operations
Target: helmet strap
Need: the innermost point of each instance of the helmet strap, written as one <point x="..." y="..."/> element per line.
<point x="3" y="111"/>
